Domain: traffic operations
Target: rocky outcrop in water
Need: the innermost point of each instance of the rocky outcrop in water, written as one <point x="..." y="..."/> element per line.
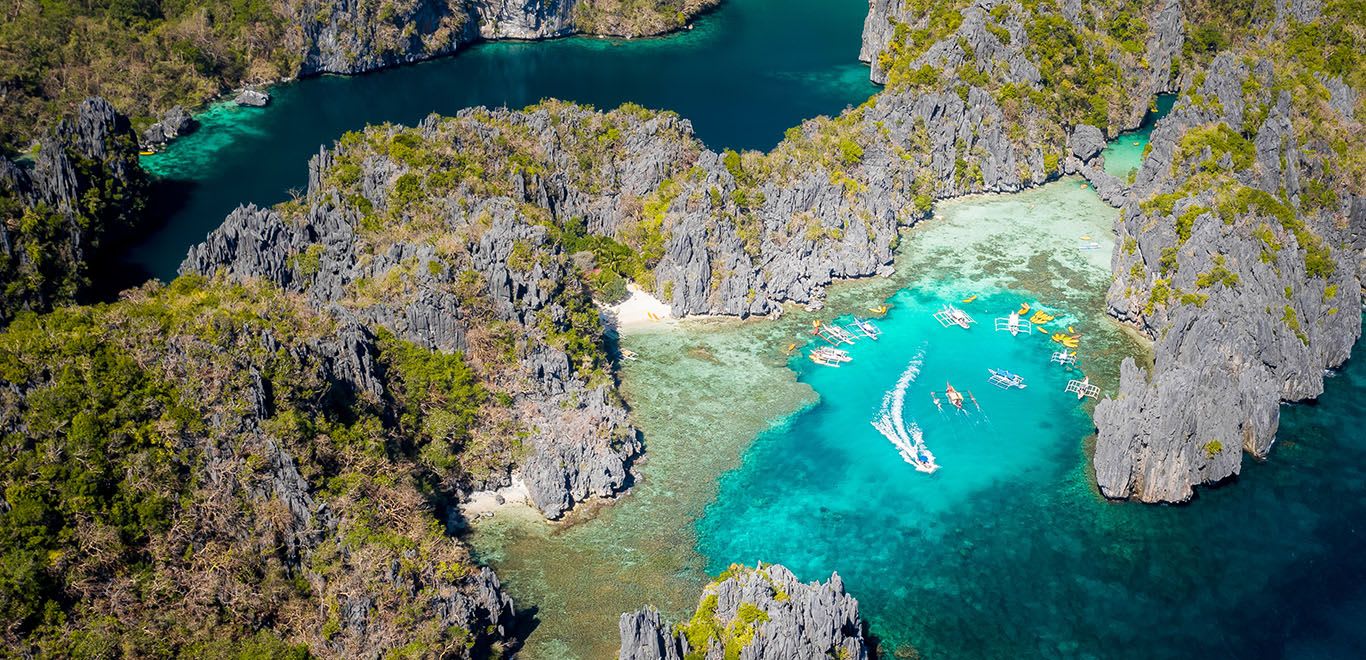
<point x="175" y="123"/>
<point x="364" y="35"/>
<point x="1240" y="253"/>
<point x="762" y="613"/>
<point x="253" y="98"/>
<point x="83" y="189"/>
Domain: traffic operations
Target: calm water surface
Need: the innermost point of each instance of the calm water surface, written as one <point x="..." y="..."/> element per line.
<point x="1007" y="550"/>
<point x="743" y="75"/>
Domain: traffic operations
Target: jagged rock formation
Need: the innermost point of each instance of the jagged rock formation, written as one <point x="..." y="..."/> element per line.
<point x="83" y="188"/>
<point x="362" y="35"/>
<point x="1240" y="252"/>
<point x="253" y="98"/>
<point x="754" y="614"/>
<point x="473" y="274"/>
<point x="231" y="473"/>
<point x="175" y="123"/>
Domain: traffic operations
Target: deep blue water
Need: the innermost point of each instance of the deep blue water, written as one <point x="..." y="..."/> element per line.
<point x="742" y="76"/>
<point x="1008" y="551"/>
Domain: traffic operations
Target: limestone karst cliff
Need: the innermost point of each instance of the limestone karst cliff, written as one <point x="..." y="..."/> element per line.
<point x="1240" y="253"/>
<point x="755" y="613"/>
<point x="82" y="188"/>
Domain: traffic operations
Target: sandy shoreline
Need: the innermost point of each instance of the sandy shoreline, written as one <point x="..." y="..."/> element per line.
<point x="485" y="503"/>
<point x="639" y="309"/>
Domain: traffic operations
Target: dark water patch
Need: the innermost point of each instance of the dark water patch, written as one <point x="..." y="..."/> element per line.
<point x="737" y="76"/>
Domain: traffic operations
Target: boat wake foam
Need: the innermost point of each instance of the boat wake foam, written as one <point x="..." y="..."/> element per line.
<point x="891" y="422"/>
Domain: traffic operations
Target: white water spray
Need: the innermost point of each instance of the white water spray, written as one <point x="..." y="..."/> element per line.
<point x="891" y="423"/>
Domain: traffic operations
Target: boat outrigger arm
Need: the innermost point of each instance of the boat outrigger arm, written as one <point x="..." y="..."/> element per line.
<point x="951" y="315"/>
<point x="1014" y="325"/>
<point x="1005" y="379"/>
<point x="1082" y="388"/>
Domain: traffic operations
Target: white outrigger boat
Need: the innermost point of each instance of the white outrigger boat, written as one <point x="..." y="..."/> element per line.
<point x="832" y="334"/>
<point x="1014" y="325"/>
<point x="1082" y="388"/>
<point x="829" y="356"/>
<point x="1005" y="379"/>
<point x="951" y="315"/>
<point x="865" y="328"/>
<point x="1064" y="358"/>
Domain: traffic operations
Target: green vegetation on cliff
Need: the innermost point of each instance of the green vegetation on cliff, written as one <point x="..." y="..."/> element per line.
<point x="166" y="456"/>
<point x="143" y="55"/>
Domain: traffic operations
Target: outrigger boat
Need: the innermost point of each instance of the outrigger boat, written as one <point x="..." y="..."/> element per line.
<point x="951" y="315"/>
<point x="1064" y="358"/>
<point x="1082" y="388"/>
<point x="832" y="334"/>
<point x="628" y="354"/>
<point x="828" y="357"/>
<point x="953" y="396"/>
<point x="865" y="328"/>
<point x="1005" y="379"/>
<point x="1013" y="324"/>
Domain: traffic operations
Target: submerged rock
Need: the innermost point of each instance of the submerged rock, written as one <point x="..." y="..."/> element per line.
<point x="764" y="612"/>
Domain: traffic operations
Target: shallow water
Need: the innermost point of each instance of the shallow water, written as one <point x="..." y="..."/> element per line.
<point x="742" y="76"/>
<point x="703" y="390"/>
<point x="1124" y="154"/>
<point x="1008" y="550"/>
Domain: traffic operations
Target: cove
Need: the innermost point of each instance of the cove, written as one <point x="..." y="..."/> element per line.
<point x="743" y="75"/>
<point x="1124" y="154"/>
<point x="704" y="389"/>
<point x="1008" y="552"/>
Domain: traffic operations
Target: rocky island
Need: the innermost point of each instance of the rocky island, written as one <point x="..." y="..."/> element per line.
<point x="267" y="456"/>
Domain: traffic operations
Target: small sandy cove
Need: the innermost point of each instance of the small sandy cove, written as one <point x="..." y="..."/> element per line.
<point x="639" y="309"/>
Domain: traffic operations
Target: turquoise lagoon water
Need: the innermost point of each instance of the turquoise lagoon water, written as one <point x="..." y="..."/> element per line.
<point x="1125" y="153"/>
<point x="742" y="76"/>
<point x="1008" y="551"/>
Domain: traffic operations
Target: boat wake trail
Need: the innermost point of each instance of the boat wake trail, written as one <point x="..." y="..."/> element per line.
<point x="891" y="422"/>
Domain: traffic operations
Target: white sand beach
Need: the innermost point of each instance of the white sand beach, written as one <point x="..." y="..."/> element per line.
<point x="486" y="502"/>
<point x="640" y="308"/>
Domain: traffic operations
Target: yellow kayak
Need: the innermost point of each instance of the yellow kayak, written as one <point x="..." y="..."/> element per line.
<point x="970" y="298"/>
<point x="879" y="310"/>
<point x="1070" y="342"/>
<point x="1059" y="337"/>
<point x="1024" y="309"/>
<point x="1071" y="330"/>
<point x="1043" y="330"/>
<point x="1040" y="317"/>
